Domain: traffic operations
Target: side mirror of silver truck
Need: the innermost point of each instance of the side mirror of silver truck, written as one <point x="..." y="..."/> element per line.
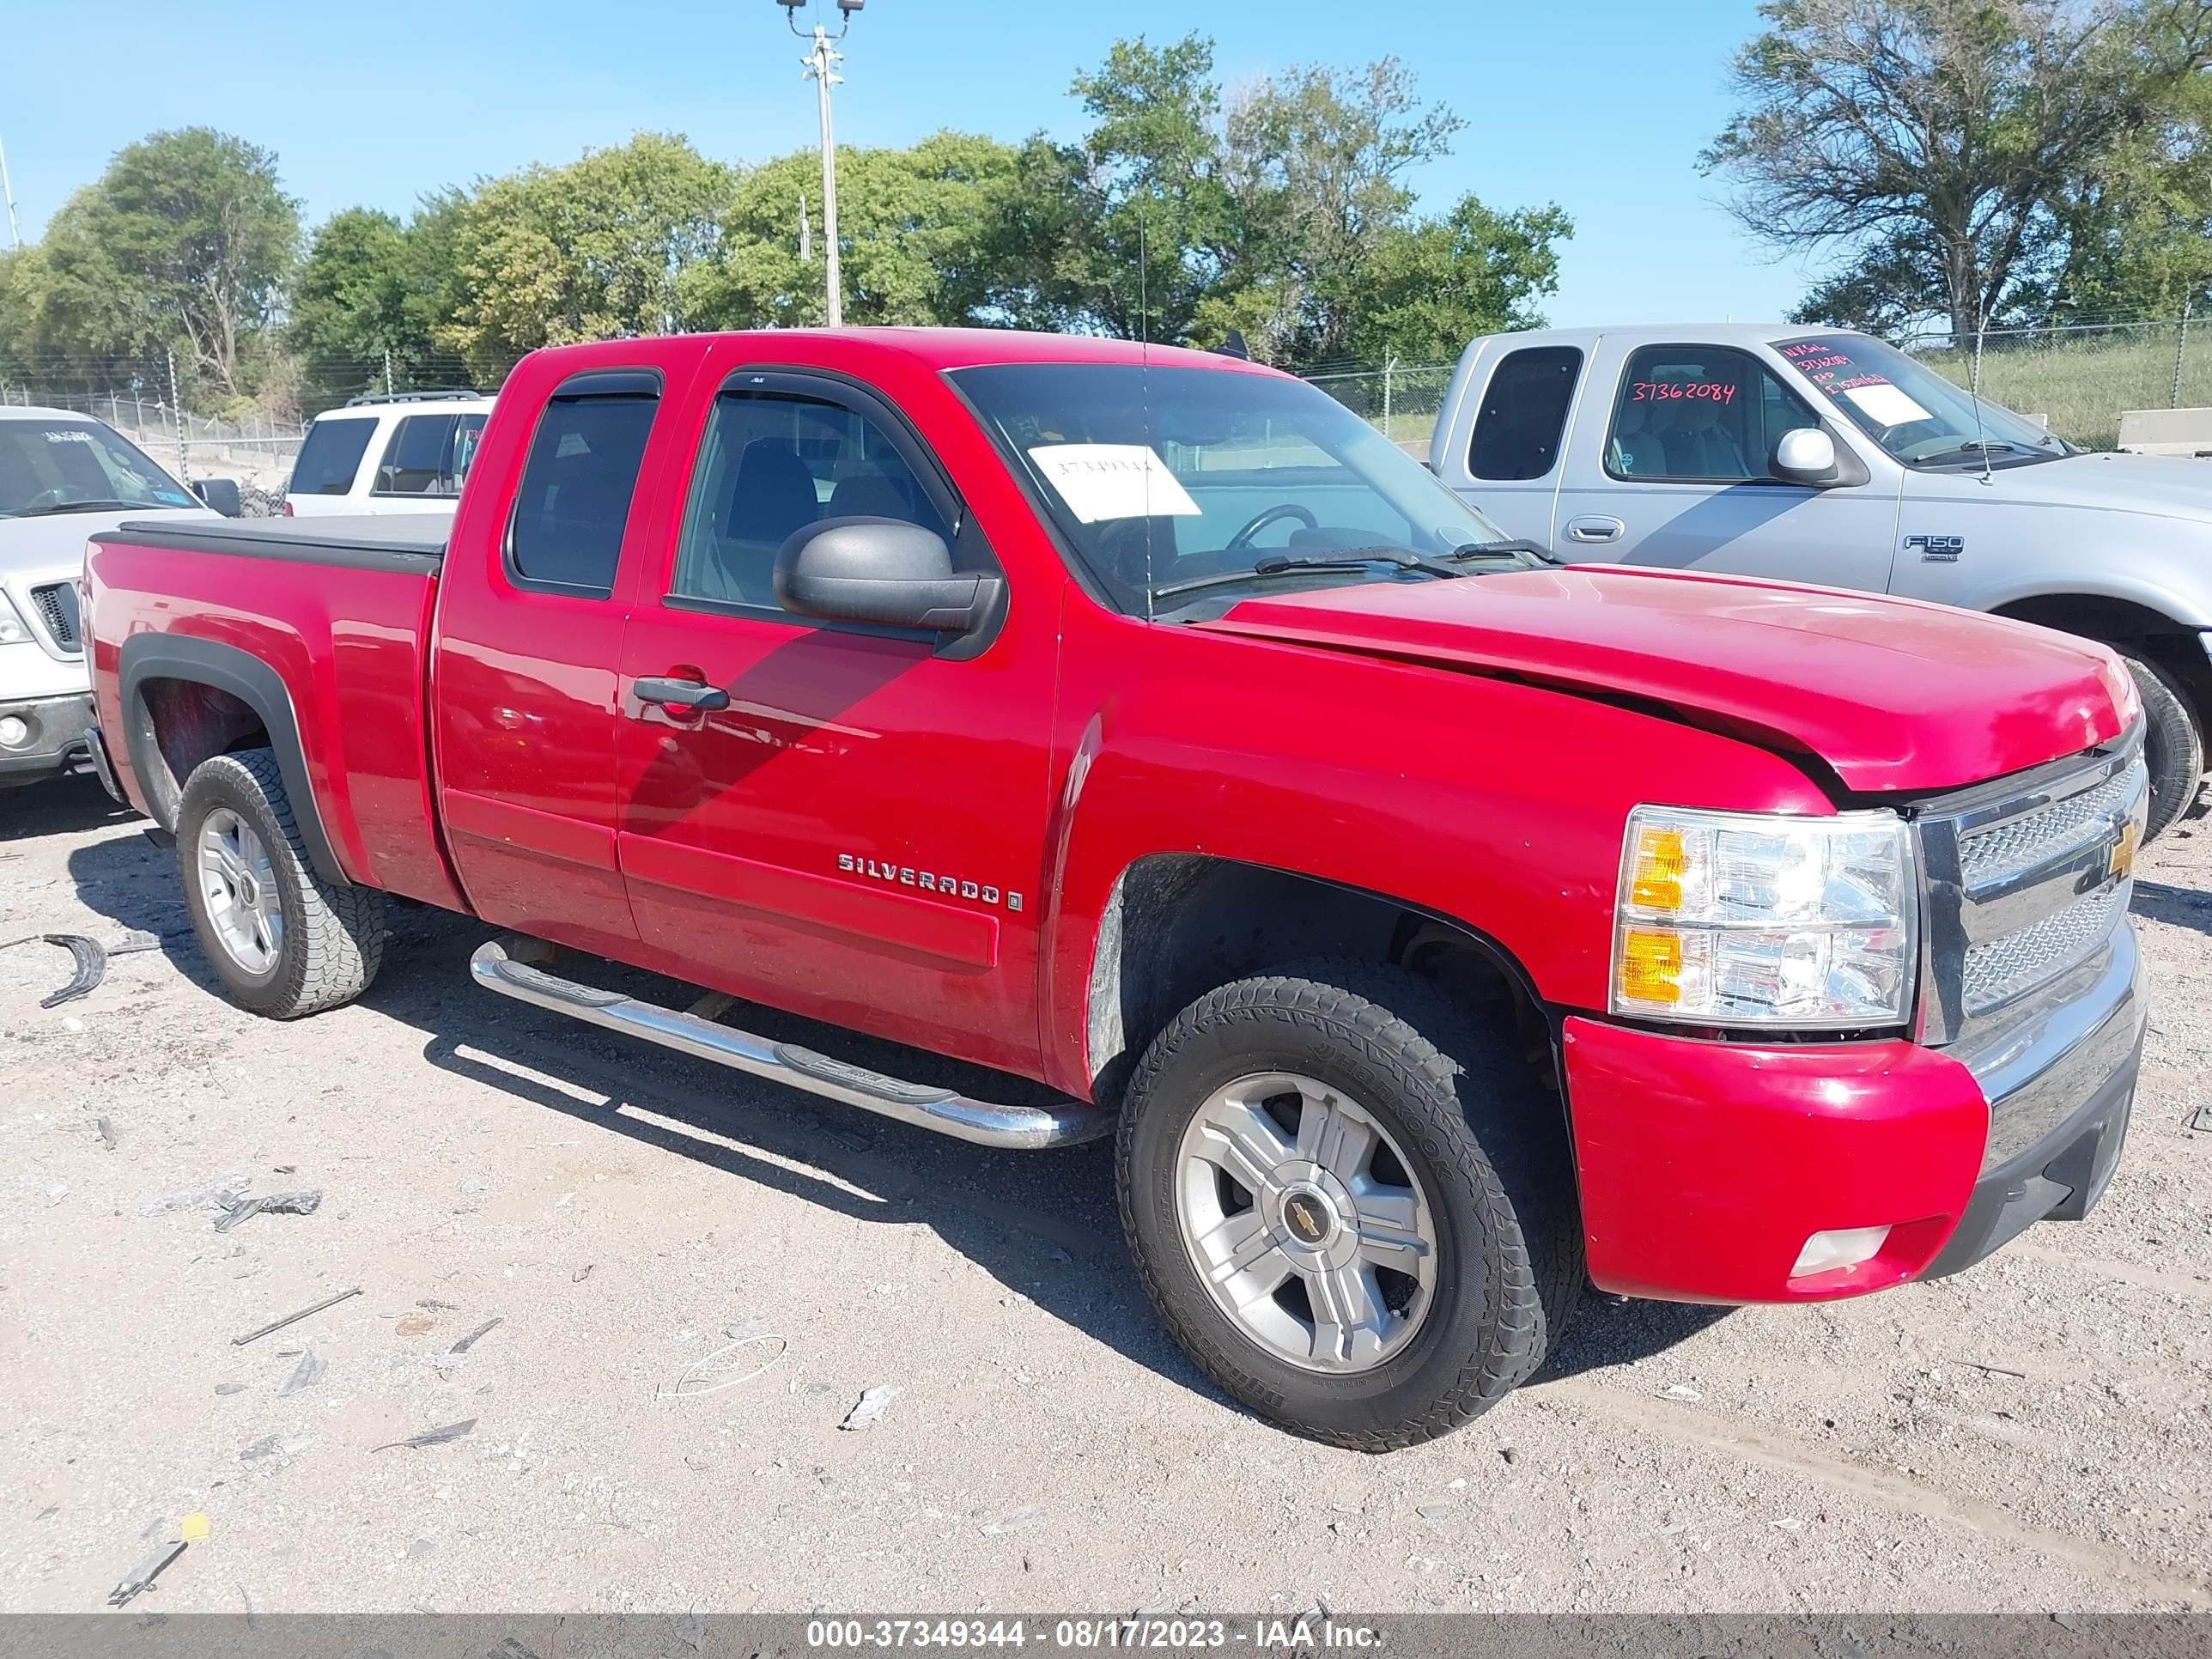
<point x="1807" y="455"/>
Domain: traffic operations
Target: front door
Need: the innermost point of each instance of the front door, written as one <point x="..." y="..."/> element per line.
<point x="1677" y="473"/>
<point x="842" y="820"/>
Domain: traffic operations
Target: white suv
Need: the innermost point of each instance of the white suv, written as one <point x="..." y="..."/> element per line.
<point x="404" y="451"/>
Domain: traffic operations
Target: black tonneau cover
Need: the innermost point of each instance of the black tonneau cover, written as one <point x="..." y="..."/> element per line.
<point x="410" y="543"/>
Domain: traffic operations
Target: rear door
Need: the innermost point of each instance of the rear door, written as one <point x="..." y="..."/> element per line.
<point x="853" y="825"/>
<point x="1669" y="464"/>
<point x="528" y="643"/>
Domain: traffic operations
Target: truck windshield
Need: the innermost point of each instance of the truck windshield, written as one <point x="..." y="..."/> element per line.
<point x="76" y="466"/>
<point x="1165" y="479"/>
<point x="1914" y="414"/>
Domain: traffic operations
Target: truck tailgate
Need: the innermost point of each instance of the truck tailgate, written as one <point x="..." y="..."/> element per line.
<point x="341" y="613"/>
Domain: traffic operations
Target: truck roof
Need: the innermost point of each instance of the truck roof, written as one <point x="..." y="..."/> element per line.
<point x="1738" y="334"/>
<point x="937" y="349"/>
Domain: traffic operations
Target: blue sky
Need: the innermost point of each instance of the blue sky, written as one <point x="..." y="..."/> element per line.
<point x="1597" y="105"/>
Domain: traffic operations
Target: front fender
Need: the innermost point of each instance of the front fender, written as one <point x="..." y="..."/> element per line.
<point x="1494" y="805"/>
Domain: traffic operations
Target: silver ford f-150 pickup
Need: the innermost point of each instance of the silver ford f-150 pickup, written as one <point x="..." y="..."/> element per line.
<point x="1817" y="455"/>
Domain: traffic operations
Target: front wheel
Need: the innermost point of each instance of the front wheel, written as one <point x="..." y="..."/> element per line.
<point x="2173" y="748"/>
<point x="1353" y="1207"/>
<point x="284" y="941"/>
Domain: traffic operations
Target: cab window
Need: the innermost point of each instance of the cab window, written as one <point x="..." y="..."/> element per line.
<point x="1689" y="414"/>
<point x="773" y="463"/>
<point x="1524" y="411"/>
<point x="577" y="482"/>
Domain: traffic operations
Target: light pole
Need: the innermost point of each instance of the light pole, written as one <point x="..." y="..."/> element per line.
<point x="822" y="68"/>
<point x="8" y="195"/>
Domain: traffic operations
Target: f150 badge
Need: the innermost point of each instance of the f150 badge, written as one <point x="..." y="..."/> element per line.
<point x="1937" y="550"/>
<point x="928" y="881"/>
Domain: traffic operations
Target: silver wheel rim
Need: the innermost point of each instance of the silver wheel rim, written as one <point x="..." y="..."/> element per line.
<point x="238" y="885"/>
<point x="1305" y="1223"/>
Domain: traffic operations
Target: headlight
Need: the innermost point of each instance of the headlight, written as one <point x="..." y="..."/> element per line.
<point x="1736" y="919"/>
<point x="12" y="629"/>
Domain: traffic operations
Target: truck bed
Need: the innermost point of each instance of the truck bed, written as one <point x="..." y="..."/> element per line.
<point x="340" y="610"/>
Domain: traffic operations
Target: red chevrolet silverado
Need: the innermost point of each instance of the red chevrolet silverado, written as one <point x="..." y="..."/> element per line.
<point x="1438" y="929"/>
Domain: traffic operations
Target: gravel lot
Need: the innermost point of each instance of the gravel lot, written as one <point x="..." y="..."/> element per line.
<point x="2034" y="1434"/>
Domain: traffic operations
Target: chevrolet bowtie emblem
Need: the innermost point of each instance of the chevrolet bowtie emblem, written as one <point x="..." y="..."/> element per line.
<point x="2122" y="864"/>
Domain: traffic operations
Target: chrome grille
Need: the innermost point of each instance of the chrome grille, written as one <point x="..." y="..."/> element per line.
<point x="56" y="605"/>
<point x="2019" y="961"/>
<point x="2025" y="880"/>
<point x="1998" y="853"/>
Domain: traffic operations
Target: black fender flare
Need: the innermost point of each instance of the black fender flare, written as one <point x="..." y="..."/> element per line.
<point x="240" y="674"/>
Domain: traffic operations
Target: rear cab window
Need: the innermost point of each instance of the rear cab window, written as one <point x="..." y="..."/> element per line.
<point x="330" y="457"/>
<point x="577" y="482"/>
<point x="1524" y="414"/>
<point x="1699" y="414"/>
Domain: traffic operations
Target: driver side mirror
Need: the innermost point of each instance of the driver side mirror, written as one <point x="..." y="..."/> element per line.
<point x="884" y="571"/>
<point x="1807" y="455"/>
<point x="220" y="494"/>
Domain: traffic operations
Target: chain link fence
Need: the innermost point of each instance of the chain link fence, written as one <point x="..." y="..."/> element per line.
<point x="1399" y="400"/>
<point x="2081" y="377"/>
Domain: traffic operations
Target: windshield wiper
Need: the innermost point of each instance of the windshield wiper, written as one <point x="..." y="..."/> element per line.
<point x="1521" y="544"/>
<point x="97" y="506"/>
<point x="1976" y="451"/>
<point x="1286" y="564"/>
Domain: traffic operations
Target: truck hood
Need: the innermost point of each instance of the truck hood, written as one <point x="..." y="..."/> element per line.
<point x="2164" y="486"/>
<point x="1891" y="695"/>
<point x="50" y="548"/>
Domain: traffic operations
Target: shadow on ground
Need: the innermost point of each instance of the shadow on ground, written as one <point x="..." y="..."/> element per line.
<point x="61" y="806"/>
<point x="1044" y="1224"/>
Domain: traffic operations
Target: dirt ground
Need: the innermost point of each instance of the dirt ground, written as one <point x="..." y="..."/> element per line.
<point x="2034" y="1434"/>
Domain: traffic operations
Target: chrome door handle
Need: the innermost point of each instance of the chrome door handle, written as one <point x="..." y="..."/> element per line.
<point x="653" y="691"/>
<point x="1595" y="529"/>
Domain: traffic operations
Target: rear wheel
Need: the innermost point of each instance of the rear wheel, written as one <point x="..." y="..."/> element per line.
<point x="284" y="941"/>
<point x="2173" y="748"/>
<point x="1352" y="1206"/>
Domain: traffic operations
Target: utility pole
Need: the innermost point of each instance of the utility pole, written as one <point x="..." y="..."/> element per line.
<point x="8" y="195"/>
<point x="820" y="68"/>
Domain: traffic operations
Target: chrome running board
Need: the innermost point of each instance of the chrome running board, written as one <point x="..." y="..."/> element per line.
<point x="496" y="966"/>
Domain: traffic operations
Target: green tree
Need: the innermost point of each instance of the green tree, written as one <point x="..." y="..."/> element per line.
<point x="592" y="250"/>
<point x="1319" y="156"/>
<point x="183" y="243"/>
<point x="1936" y="144"/>
<point x="1427" y="289"/>
<point x="919" y="231"/>
<point x="349" y="301"/>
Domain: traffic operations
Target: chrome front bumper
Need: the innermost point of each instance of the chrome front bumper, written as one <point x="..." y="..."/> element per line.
<point x="2060" y="1079"/>
<point x="59" y="730"/>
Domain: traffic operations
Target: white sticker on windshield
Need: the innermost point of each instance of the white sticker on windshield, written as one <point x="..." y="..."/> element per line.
<point x="1887" y="405"/>
<point x="1114" y="481"/>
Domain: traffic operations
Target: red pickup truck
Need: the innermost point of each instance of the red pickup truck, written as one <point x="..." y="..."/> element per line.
<point x="1438" y="929"/>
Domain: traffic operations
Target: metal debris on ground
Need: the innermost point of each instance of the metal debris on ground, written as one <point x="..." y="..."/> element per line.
<point x="107" y="1132"/>
<point x="141" y="1577"/>
<point x="462" y="1346"/>
<point x="1994" y="1370"/>
<point x="230" y="1387"/>
<point x="869" y="1411"/>
<point x="1014" y="1522"/>
<point x="293" y="1319"/>
<point x="245" y="1209"/>
<point x="582" y="1274"/>
<point x="305" y="1375"/>
<point x="86" y="956"/>
<point x="221" y="1193"/>
<point x="2201" y="1120"/>
<point x="432" y="1436"/>
<point x="693" y="1382"/>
